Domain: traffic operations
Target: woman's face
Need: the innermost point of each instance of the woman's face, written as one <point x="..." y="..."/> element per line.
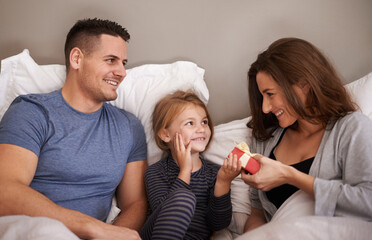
<point x="274" y="100"/>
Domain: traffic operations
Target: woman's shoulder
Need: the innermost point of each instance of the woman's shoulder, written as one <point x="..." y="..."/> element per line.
<point x="349" y="128"/>
<point x="354" y="119"/>
<point x="262" y="147"/>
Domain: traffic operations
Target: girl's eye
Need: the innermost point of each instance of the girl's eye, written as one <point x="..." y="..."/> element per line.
<point x="189" y="124"/>
<point x="205" y="122"/>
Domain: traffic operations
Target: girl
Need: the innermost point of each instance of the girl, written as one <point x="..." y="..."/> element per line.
<point x="189" y="197"/>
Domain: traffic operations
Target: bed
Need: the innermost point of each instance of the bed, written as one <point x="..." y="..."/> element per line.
<point x="139" y="92"/>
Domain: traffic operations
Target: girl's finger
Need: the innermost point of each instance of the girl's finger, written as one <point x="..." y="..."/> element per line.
<point x="180" y="142"/>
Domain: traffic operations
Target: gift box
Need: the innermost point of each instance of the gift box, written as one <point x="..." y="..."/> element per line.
<point x="246" y="158"/>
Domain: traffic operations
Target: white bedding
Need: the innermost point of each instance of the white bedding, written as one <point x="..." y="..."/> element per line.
<point x="295" y="220"/>
<point x="21" y="227"/>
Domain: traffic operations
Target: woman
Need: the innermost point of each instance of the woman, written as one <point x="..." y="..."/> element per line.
<point x="303" y="118"/>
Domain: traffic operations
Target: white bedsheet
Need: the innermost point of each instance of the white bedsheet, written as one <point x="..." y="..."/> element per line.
<point x="295" y="220"/>
<point x="20" y="227"/>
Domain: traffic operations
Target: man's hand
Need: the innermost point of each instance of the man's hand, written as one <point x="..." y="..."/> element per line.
<point x="111" y="232"/>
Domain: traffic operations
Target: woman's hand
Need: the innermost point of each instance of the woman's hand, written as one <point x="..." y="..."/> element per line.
<point x="271" y="174"/>
<point x="274" y="173"/>
<point x="183" y="158"/>
<point x="229" y="170"/>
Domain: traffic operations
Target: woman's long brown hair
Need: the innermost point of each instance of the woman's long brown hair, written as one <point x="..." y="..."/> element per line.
<point x="293" y="61"/>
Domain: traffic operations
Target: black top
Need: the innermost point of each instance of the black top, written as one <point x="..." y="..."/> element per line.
<point x="279" y="194"/>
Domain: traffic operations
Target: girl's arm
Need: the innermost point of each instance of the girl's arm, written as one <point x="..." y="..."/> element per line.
<point x="219" y="206"/>
<point x="160" y="183"/>
<point x="228" y="171"/>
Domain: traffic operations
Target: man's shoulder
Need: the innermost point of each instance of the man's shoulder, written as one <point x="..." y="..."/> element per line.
<point x="39" y="97"/>
<point x="33" y="103"/>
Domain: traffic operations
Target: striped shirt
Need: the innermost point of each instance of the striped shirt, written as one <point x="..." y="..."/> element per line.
<point x="211" y="213"/>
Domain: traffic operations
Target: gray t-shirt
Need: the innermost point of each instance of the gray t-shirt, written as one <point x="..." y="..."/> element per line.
<point x="82" y="157"/>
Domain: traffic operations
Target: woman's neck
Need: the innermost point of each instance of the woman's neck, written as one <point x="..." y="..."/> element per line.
<point x="307" y="129"/>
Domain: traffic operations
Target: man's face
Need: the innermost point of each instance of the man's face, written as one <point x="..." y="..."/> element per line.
<point x="103" y="69"/>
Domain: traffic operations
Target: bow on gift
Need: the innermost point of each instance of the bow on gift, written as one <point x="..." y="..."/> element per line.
<point x="246" y="158"/>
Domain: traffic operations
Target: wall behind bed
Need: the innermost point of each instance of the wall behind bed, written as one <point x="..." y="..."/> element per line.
<point x="221" y="36"/>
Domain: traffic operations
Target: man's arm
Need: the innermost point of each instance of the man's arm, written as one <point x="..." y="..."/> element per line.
<point x="17" y="169"/>
<point x="131" y="196"/>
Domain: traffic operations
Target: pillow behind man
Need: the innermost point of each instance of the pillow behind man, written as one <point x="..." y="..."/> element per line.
<point x="141" y="89"/>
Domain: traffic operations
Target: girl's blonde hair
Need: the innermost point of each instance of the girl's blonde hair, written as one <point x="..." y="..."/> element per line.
<point x="169" y="107"/>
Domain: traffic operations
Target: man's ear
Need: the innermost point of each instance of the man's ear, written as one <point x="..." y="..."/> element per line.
<point x="164" y="135"/>
<point x="76" y="56"/>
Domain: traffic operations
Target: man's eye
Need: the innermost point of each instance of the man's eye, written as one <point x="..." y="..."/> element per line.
<point x="110" y="60"/>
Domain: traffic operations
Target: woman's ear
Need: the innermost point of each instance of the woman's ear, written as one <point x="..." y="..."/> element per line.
<point x="306" y="89"/>
<point x="76" y="56"/>
<point x="164" y="135"/>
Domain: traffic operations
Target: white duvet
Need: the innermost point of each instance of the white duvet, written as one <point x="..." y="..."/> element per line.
<point x="293" y="220"/>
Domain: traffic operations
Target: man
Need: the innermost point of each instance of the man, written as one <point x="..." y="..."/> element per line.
<point x="64" y="154"/>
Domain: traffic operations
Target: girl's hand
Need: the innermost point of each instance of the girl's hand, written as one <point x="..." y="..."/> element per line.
<point x="271" y="174"/>
<point x="183" y="158"/>
<point x="230" y="169"/>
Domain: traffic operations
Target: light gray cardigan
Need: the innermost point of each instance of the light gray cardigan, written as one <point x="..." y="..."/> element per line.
<point x="342" y="169"/>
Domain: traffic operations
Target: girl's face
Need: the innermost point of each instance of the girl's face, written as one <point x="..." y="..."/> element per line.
<point x="192" y="124"/>
<point x="274" y="100"/>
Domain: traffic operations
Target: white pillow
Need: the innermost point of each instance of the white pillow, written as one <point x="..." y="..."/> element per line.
<point x="361" y="92"/>
<point x="138" y="93"/>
